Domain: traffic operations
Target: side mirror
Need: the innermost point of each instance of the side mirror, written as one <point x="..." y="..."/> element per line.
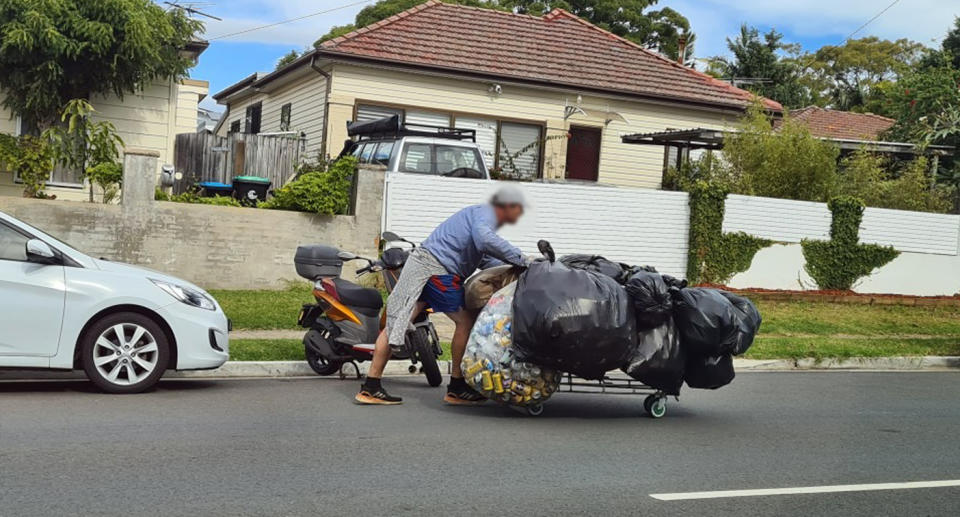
<point x="346" y="255"/>
<point x="390" y="236"/>
<point x="41" y="252"/>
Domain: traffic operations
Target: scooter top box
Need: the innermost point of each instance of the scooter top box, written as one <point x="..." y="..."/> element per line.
<point x="317" y="260"/>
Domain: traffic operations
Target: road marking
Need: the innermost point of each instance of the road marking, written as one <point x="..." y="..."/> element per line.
<point x="679" y="496"/>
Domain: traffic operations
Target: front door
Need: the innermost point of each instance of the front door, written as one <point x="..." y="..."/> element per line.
<point x="583" y="153"/>
<point x="31" y="300"/>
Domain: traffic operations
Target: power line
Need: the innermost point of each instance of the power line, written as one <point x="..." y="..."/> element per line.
<point x="852" y="34"/>
<point x="298" y="18"/>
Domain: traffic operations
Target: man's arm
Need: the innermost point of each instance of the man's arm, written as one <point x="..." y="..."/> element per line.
<point x="486" y="240"/>
<point x="488" y="262"/>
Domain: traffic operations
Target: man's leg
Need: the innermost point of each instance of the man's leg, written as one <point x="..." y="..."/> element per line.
<point x="458" y="392"/>
<point x="381" y="354"/>
<point x="372" y="392"/>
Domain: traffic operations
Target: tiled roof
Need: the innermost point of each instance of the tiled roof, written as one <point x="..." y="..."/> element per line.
<point x="844" y="125"/>
<point x="558" y="48"/>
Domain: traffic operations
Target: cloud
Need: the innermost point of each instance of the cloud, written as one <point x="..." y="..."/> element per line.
<point x="926" y="21"/>
<point x="247" y="14"/>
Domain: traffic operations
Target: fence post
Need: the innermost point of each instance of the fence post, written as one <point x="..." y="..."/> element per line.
<point x="139" y="179"/>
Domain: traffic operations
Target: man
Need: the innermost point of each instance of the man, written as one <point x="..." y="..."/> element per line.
<point x="433" y="275"/>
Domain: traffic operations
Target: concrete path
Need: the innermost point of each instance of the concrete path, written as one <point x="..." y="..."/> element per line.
<point x="300" y="447"/>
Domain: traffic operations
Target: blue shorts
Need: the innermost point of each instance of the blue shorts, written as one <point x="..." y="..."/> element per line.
<point x="443" y="293"/>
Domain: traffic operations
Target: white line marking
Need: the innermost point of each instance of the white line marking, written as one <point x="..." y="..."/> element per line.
<point x="679" y="496"/>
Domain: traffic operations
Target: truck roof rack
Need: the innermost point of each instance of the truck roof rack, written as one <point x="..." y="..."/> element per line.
<point x="390" y="127"/>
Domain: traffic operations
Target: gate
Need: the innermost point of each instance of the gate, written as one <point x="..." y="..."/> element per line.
<point x="636" y="226"/>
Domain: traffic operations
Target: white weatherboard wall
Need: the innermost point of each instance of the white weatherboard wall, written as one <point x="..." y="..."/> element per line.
<point x="636" y="226"/>
<point x="928" y="265"/>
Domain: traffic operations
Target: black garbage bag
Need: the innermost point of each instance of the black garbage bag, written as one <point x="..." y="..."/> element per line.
<point x="572" y="320"/>
<point x="658" y="360"/>
<point x="750" y="321"/>
<point x="709" y="324"/>
<point x="596" y="263"/>
<point x="650" y="298"/>
<point x="674" y="282"/>
<point x="709" y="373"/>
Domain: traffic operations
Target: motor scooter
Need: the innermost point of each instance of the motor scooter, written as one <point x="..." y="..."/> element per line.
<point x="347" y="318"/>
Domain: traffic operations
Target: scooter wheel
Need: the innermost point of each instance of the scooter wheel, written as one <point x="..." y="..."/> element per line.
<point x="426" y="357"/>
<point x="319" y="364"/>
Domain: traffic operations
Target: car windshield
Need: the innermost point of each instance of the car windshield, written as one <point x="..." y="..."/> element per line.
<point x="444" y="160"/>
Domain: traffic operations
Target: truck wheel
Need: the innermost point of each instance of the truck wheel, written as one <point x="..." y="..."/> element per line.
<point x="125" y="352"/>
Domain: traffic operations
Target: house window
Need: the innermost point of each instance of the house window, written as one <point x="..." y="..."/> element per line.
<point x="285" y="117"/>
<point x="518" y="156"/>
<point x="251" y="121"/>
<point x="235" y="126"/>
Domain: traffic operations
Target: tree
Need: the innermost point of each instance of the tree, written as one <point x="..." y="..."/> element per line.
<point x="81" y="143"/>
<point x="660" y="30"/>
<point x="287" y="58"/>
<point x="854" y="76"/>
<point x="758" y="66"/>
<point x="52" y="51"/>
<point x="951" y="44"/>
<point x="924" y="102"/>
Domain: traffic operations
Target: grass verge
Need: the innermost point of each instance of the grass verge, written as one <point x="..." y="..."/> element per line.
<point x="282" y="350"/>
<point x="824" y="347"/>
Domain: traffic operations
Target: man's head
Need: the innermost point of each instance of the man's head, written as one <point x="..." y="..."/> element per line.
<point x="508" y="203"/>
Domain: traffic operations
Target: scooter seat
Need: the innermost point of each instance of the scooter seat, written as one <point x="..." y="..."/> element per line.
<point x="354" y="295"/>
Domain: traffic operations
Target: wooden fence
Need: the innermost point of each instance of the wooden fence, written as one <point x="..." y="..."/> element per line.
<point x="207" y="157"/>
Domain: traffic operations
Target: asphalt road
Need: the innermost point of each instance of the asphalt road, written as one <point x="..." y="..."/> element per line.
<point x="300" y="447"/>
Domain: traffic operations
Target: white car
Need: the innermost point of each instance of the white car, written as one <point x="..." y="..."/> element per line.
<point x="123" y="325"/>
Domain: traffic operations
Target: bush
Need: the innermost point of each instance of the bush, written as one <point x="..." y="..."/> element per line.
<point x="871" y="177"/>
<point x="321" y="192"/>
<point x="841" y="261"/>
<point x="32" y="158"/>
<point x="108" y="176"/>
<point x="194" y="198"/>
<point x="787" y="163"/>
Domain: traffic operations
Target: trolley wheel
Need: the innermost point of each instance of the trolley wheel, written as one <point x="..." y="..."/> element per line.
<point x="655" y="406"/>
<point x="535" y="409"/>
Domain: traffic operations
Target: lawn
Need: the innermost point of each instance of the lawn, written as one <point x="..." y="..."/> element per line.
<point x="281" y="350"/>
<point x="790" y="329"/>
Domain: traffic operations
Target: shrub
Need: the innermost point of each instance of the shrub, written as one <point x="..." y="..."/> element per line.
<point x="108" y="176"/>
<point x="194" y="198"/>
<point x="788" y="162"/>
<point x="32" y="158"/>
<point x="841" y="261"/>
<point x="871" y="177"/>
<point x="321" y="192"/>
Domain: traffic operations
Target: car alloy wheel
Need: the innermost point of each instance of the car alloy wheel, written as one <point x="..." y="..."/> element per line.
<point x="125" y="354"/>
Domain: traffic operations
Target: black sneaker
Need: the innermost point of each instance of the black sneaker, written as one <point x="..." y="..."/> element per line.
<point x="463" y="396"/>
<point x="378" y="397"/>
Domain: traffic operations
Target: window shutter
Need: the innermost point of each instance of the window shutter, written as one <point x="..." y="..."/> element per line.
<point x="486" y="136"/>
<point x="366" y="113"/>
<point x="519" y="150"/>
<point x="432" y="119"/>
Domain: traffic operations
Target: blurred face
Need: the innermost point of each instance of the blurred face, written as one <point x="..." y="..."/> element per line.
<point x="508" y="214"/>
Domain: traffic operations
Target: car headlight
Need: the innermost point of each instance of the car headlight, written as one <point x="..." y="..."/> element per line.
<point x="186" y="295"/>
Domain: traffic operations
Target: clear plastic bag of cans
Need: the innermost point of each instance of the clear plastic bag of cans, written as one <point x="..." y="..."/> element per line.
<point x="489" y="365"/>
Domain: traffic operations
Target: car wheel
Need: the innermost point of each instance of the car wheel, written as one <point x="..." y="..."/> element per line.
<point x="125" y="352"/>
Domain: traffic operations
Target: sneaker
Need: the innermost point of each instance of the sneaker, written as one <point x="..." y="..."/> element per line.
<point x="465" y="396"/>
<point x="378" y="397"/>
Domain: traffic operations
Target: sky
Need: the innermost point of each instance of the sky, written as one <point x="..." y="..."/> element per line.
<point x="811" y="23"/>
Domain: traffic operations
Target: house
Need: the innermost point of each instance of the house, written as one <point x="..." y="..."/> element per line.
<point x="847" y="130"/>
<point x="207" y="119"/>
<point x="553" y="93"/>
<point x="149" y="119"/>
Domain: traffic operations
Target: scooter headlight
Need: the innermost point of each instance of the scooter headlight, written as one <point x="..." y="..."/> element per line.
<point x="186" y="295"/>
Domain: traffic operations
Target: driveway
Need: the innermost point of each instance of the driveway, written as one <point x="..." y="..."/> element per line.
<point x="300" y="447"/>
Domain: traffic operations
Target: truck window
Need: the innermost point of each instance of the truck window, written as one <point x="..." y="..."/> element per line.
<point x="382" y="155"/>
<point x="460" y="162"/>
<point x="367" y="152"/>
<point x="417" y="158"/>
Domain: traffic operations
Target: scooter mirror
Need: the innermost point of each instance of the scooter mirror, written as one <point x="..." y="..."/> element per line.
<point x="390" y="236"/>
<point x="346" y="255"/>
